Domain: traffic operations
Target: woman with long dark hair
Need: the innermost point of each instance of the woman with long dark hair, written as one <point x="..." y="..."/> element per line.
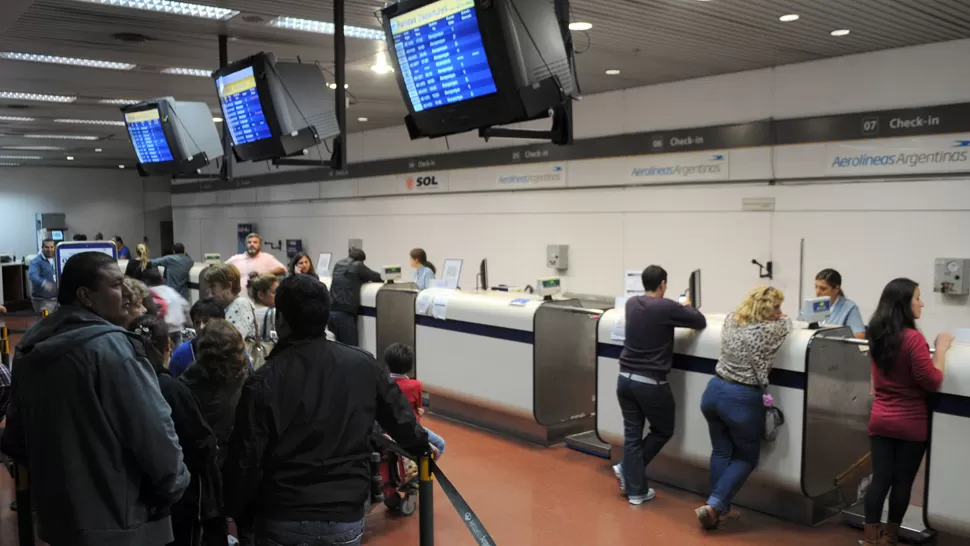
<point x="198" y="512"/>
<point x="903" y="373"/>
<point x="424" y="270"/>
<point x="828" y="283"/>
<point x="301" y="265"/>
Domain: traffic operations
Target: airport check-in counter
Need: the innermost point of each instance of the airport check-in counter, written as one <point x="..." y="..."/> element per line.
<point x="196" y="289"/>
<point x="820" y="385"/>
<point x="947" y="495"/>
<point x="367" y="317"/>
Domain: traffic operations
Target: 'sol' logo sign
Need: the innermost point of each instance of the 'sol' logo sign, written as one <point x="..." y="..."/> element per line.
<point x="420" y="182"/>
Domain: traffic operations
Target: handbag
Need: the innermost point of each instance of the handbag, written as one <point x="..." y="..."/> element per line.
<point x="254" y="345"/>
<point x="774" y="417"/>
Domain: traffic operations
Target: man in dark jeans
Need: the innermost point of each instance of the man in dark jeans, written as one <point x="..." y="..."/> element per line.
<point x="642" y="388"/>
<point x="348" y="276"/>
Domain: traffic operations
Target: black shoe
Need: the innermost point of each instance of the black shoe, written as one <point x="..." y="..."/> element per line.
<point x="13" y="506"/>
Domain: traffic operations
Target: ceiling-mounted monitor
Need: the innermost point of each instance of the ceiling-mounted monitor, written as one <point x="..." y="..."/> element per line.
<point x="468" y="64"/>
<point x="275" y="109"/>
<point x="172" y="137"/>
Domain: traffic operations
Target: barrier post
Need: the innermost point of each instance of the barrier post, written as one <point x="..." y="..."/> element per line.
<point x="25" y="514"/>
<point x="425" y="502"/>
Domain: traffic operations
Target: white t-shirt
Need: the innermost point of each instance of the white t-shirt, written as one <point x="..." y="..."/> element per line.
<point x="262" y="263"/>
<point x="241" y="313"/>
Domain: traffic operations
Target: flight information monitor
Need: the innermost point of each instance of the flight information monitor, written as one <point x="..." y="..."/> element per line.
<point x="148" y="136"/>
<point x="441" y="56"/>
<point x="242" y="108"/>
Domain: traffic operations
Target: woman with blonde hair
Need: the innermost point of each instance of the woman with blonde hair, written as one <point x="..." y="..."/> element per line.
<point x="137" y="266"/>
<point x="733" y="403"/>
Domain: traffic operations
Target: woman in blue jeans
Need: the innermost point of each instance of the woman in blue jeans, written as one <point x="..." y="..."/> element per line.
<point x="733" y="404"/>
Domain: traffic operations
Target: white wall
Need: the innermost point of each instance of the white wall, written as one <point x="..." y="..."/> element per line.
<point x="871" y="231"/>
<point x="112" y="201"/>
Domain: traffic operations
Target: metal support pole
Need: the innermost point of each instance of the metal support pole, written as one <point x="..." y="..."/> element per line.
<point x="4" y="346"/>
<point x="425" y="500"/>
<point x="227" y="157"/>
<point x="339" y="158"/>
<point x="25" y="513"/>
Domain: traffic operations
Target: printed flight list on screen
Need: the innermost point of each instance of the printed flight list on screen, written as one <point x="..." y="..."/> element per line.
<point x="241" y="107"/>
<point x="148" y="137"/>
<point x="440" y="51"/>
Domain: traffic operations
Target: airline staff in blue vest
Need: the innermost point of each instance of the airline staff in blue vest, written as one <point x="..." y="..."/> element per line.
<point x="844" y="312"/>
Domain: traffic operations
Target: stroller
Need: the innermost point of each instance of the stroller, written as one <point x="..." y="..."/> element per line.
<point x="394" y="479"/>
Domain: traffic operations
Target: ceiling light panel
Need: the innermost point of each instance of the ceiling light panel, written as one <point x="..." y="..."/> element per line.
<point x="15" y="118"/>
<point x="5" y="164"/>
<point x="118" y="102"/>
<point x="19" y="157"/>
<point x="789" y="18"/>
<point x="116" y="123"/>
<point x="201" y="72"/>
<point x="33" y="148"/>
<point x="175" y="8"/>
<point x="322" y="27"/>
<point x="13" y="95"/>
<point x="52" y="59"/>
<point x="580" y="25"/>
<point x="64" y="137"/>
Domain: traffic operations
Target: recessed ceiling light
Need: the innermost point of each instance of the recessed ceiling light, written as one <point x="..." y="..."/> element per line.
<point x="362" y="119"/>
<point x="217" y="120"/>
<point x="64" y="137"/>
<point x="381" y="67"/>
<point x="91" y="122"/>
<point x="15" y="118"/>
<point x="612" y="72"/>
<point x="580" y="25"/>
<point x="19" y="157"/>
<point x="5" y="164"/>
<point x="323" y="27"/>
<point x="789" y="18"/>
<point x="13" y="95"/>
<point x="201" y="72"/>
<point x="334" y="85"/>
<point x="840" y="32"/>
<point x="118" y="102"/>
<point x="174" y="8"/>
<point x="98" y="150"/>
<point x="52" y="59"/>
<point x="70" y="158"/>
<point x="34" y="148"/>
<point x="121" y="166"/>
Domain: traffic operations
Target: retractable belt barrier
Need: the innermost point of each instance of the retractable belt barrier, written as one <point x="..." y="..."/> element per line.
<point x="427" y="469"/>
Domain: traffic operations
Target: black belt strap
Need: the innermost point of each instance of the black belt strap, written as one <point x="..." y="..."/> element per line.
<point x="465" y="512"/>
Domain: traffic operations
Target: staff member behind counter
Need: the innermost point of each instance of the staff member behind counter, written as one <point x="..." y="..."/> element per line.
<point x="844" y="312"/>
<point x="424" y="271"/>
<point x="348" y="275"/>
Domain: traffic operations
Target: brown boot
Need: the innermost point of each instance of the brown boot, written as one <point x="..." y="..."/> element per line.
<point x="891" y="536"/>
<point x="871" y="535"/>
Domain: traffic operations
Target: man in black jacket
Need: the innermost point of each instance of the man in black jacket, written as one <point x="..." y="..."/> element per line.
<point x="348" y="275"/>
<point x="298" y="467"/>
<point x="89" y="421"/>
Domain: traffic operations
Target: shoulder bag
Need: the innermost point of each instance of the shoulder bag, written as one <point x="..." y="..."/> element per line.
<point x="774" y="417"/>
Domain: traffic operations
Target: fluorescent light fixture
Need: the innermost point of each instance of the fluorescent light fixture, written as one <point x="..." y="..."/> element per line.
<point x="580" y="25"/>
<point x="119" y="102"/>
<point x="322" y="27"/>
<point x="92" y="122"/>
<point x="121" y="166"/>
<point x="13" y="95"/>
<point x="612" y="72"/>
<point x="201" y="72"/>
<point x="840" y="32"/>
<point x="15" y="118"/>
<point x="98" y="150"/>
<point x="382" y="67"/>
<point x="70" y="158"/>
<point x="64" y="137"/>
<point x="217" y="120"/>
<point x="5" y="164"/>
<point x="362" y="119"/>
<point x="174" y="8"/>
<point x="19" y="157"/>
<point x="788" y="18"/>
<point x="34" y="148"/>
<point x="334" y="85"/>
<point x="53" y="59"/>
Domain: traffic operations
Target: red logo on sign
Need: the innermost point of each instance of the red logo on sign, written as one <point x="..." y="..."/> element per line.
<point x="409" y="183"/>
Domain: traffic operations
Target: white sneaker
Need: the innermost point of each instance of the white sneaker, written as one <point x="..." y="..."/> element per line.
<point x="637" y="500"/>
<point x="618" y="470"/>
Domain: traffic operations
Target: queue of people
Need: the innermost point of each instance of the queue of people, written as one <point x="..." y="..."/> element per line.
<point x="737" y="406"/>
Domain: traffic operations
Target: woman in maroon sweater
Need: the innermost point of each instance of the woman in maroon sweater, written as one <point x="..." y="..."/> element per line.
<point x="903" y="374"/>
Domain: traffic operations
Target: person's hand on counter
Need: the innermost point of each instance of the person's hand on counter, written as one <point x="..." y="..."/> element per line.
<point x="943" y="341"/>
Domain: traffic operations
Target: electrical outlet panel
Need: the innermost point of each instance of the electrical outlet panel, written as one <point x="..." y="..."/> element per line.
<point x="557" y="256"/>
<point x="950" y="276"/>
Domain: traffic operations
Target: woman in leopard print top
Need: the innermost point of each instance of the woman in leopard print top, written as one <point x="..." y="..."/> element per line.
<point x="733" y="403"/>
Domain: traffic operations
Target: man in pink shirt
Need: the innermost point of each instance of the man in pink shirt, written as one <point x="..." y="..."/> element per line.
<point x="255" y="260"/>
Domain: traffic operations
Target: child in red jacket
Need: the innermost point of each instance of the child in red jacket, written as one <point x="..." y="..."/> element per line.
<point x="400" y="360"/>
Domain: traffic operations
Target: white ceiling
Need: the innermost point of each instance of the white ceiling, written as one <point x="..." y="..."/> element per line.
<point x="649" y="41"/>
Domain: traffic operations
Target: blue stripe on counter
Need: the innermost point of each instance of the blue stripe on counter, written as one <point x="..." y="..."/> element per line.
<point x="953" y="404"/>
<point x="367" y="311"/>
<point x="193" y="286"/>
<point x="698" y="364"/>
<point x="484" y="330"/>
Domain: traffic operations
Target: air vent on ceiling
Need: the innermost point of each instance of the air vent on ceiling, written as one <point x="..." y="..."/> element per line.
<point x="250" y="18"/>
<point x="15" y="106"/>
<point x="131" y="37"/>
